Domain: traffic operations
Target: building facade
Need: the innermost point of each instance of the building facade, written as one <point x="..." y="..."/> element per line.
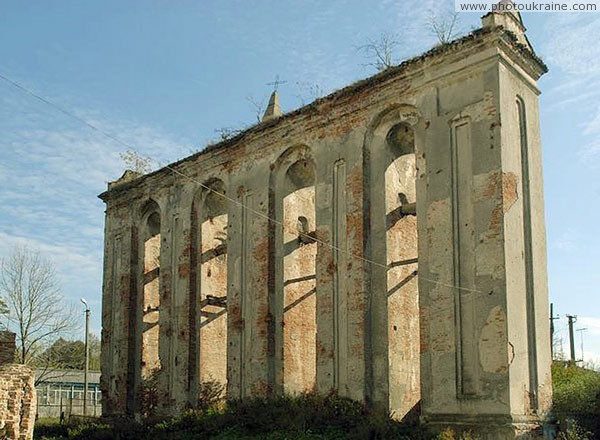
<point x="61" y="393"/>
<point x="386" y="241"/>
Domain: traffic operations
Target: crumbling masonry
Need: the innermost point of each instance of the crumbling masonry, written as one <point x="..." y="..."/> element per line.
<point x="17" y="393"/>
<point x="386" y="241"/>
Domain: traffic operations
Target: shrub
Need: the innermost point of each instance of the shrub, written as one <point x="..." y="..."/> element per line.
<point x="210" y="394"/>
<point x="90" y="430"/>
<point x="573" y="431"/>
<point x="49" y="428"/>
<point x="303" y="417"/>
<point x="149" y="394"/>
<point x="575" y="397"/>
<point x="449" y="434"/>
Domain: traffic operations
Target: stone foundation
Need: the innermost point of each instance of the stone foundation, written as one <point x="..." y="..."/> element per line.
<point x="493" y="427"/>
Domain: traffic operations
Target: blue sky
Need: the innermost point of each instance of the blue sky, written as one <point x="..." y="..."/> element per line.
<point x="162" y="76"/>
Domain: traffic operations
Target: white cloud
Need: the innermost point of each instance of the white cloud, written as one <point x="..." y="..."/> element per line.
<point x="567" y="241"/>
<point x="592" y="324"/>
<point x="572" y="46"/>
<point x="58" y="166"/>
<point x="591" y="339"/>
<point x="573" y="94"/>
<point x="593" y="126"/>
<point x="572" y="49"/>
<point x="78" y="270"/>
<point x="590" y="153"/>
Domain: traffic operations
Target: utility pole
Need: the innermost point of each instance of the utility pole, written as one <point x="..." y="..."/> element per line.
<point x="87" y="356"/>
<point x="581" y="330"/>
<point x="572" y="319"/>
<point x="552" y="319"/>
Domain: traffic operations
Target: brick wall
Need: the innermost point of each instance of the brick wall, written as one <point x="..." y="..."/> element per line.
<point x="17" y="393"/>
<point x="17" y="402"/>
<point x="7" y="347"/>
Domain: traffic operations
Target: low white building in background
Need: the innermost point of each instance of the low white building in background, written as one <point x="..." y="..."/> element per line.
<point x="61" y="391"/>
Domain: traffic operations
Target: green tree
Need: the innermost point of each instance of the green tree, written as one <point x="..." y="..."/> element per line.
<point x="575" y="394"/>
<point x="70" y="355"/>
<point x="63" y="354"/>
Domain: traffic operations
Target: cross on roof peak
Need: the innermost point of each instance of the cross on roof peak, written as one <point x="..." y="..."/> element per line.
<point x="276" y="83"/>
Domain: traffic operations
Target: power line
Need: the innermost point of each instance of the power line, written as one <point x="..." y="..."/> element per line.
<point x="62" y="110"/>
<point x="206" y="187"/>
<point x="581" y="330"/>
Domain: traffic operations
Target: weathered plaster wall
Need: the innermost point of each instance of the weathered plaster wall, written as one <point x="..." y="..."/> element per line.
<point x="151" y="362"/>
<point x="462" y="235"/>
<point x="213" y="290"/>
<point x="402" y="284"/>
<point x="525" y="230"/>
<point x="299" y="292"/>
<point x="345" y="312"/>
<point x="477" y="223"/>
<point x="114" y="325"/>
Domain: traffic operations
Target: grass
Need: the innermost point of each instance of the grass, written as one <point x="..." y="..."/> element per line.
<point x="305" y="417"/>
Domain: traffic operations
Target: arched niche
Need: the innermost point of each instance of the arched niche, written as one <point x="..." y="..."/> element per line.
<point x="528" y="241"/>
<point x="150" y="227"/>
<point x="391" y="194"/>
<point x="401" y="253"/>
<point x="294" y="301"/>
<point x="210" y="224"/>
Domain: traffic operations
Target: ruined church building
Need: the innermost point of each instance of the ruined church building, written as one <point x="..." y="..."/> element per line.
<point x="386" y="242"/>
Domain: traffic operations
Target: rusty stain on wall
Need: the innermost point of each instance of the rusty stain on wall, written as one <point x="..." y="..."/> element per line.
<point x="308" y="283"/>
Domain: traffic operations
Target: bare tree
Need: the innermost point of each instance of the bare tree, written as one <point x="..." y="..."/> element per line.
<point x="259" y="106"/>
<point x="36" y="310"/>
<point x="381" y="52"/>
<point x="444" y="25"/>
<point x="136" y="162"/>
<point x="309" y="92"/>
<point x="558" y="348"/>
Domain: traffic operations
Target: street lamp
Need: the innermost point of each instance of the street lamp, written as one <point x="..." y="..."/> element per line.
<point x="87" y="356"/>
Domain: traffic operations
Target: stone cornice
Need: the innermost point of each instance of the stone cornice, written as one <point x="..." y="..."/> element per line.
<point x="507" y="41"/>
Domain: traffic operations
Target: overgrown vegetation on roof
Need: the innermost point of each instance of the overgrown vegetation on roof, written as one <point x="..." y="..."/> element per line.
<point x="237" y="136"/>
